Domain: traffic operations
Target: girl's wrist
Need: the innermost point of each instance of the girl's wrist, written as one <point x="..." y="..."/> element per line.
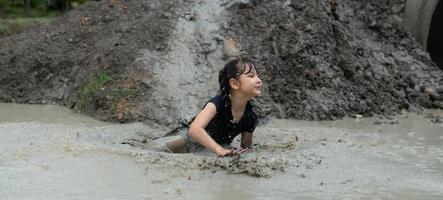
<point x="218" y="150"/>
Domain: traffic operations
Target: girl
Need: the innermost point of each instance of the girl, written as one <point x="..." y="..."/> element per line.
<point x="225" y="115"/>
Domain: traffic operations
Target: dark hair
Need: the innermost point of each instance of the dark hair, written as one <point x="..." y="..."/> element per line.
<point x="233" y="69"/>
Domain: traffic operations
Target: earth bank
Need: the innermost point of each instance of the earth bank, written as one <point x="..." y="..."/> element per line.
<point x="157" y="61"/>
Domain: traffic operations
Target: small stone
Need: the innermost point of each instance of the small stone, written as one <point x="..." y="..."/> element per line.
<point x="435" y="96"/>
<point x="377" y="123"/>
<point x="373" y="24"/>
<point x="397" y="8"/>
<point x="394" y="122"/>
<point x="357" y="116"/>
<point x="297" y="5"/>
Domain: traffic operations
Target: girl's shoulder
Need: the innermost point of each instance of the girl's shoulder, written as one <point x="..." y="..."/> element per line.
<point x="217" y="101"/>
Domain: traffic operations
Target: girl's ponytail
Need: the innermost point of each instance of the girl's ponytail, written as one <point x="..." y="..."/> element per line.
<point x="224" y="83"/>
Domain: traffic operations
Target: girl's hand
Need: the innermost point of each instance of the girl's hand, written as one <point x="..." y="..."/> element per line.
<point x="222" y="152"/>
<point x="230" y="152"/>
<point x="240" y="151"/>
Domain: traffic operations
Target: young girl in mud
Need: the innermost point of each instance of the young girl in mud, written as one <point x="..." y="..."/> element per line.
<point x="226" y="115"/>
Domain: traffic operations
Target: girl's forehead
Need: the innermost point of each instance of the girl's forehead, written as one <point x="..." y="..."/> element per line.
<point x="247" y="68"/>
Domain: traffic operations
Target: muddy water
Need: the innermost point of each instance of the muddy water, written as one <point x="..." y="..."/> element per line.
<point x="48" y="152"/>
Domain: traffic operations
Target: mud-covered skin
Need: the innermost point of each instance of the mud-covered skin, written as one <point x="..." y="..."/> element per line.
<point x="318" y="59"/>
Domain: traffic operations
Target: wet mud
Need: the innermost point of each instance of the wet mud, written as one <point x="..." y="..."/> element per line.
<point x="345" y="159"/>
<point x="156" y="63"/>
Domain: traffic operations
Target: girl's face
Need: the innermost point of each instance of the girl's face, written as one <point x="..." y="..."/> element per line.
<point x="249" y="82"/>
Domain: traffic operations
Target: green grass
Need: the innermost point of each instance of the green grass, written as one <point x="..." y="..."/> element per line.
<point x="90" y="89"/>
<point x="4" y="30"/>
<point x="15" y="12"/>
<point x="14" y="17"/>
<point x="12" y="26"/>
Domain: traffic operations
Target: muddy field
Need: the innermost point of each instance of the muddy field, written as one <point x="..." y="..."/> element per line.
<point x="152" y="65"/>
<point x="370" y="158"/>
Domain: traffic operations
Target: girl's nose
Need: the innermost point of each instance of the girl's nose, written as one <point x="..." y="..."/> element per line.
<point x="259" y="81"/>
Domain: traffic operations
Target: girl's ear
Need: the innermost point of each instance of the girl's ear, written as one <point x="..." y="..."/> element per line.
<point x="234" y="84"/>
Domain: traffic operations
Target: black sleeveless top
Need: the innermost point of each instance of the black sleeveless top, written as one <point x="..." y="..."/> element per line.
<point x="222" y="128"/>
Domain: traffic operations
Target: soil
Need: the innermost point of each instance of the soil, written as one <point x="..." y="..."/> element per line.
<point x="157" y="61"/>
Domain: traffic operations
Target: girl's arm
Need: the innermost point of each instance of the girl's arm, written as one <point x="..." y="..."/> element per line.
<point x="246" y="140"/>
<point x="198" y="132"/>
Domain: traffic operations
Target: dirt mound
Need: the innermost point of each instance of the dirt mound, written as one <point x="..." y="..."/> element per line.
<point x="331" y="58"/>
<point x="157" y="61"/>
<point x="86" y="58"/>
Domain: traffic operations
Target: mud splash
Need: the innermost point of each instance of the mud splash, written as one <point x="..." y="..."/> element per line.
<point x="49" y="158"/>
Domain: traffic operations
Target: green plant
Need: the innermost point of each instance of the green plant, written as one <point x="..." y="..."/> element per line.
<point x="4" y="30"/>
<point x="12" y="26"/>
<point x="90" y="89"/>
<point x="36" y="8"/>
